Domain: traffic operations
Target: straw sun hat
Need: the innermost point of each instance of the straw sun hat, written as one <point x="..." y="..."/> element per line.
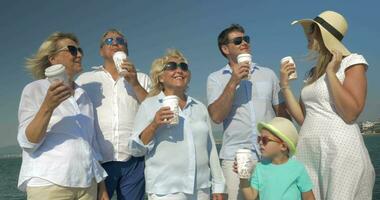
<point x="283" y="129"/>
<point x="333" y="28"/>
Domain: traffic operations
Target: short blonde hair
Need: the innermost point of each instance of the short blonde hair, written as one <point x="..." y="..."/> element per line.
<point x="37" y="63"/>
<point x="158" y="69"/>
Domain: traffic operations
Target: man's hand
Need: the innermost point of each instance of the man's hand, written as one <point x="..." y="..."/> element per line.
<point x="131" y="74"/>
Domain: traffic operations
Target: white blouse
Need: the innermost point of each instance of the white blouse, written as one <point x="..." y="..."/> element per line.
<point x="68" y="155"/>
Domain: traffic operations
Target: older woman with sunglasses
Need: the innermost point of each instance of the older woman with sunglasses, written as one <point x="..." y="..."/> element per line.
<point x="181" y="160"/>
<point x="56" y="129"/>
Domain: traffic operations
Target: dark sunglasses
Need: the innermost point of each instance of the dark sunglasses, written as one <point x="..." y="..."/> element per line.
<point x="239" y="40"/>
<point x="72" y="49"/>
<point x="265" y="140"/>
<point x="173" y="66"/>
<point x="118" y="40"/>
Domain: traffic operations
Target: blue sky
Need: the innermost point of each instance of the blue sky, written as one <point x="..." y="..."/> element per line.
<point x="191" y="26"/>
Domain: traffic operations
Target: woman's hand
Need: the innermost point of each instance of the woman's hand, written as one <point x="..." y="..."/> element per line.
<point x="56" y="94"/>
<point x="102" y="191"/>
<point x="334" y="64"/>
<point x="163" y="116"/>
<point x="285" y="70"/>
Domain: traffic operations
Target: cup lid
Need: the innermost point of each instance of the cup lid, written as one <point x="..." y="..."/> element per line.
<point x="54" y="70"/>
<point x="119" y="55"/>
<point x="244" y="55"/>
<point x="169" y="97"/>
<point x="243" y="151"/>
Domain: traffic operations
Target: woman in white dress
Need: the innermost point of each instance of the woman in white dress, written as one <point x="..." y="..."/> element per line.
<point x="334" y="95"/>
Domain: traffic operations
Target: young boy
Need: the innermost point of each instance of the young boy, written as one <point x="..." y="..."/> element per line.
<point x="278" y="176"/>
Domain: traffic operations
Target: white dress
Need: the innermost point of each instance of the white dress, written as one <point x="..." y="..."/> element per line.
<point x="333" y="151"/>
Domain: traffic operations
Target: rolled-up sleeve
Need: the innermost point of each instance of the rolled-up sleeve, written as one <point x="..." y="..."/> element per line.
<point x="218" y="181"/>
<point x="213" y="90"/>
<point x="135" y="146"/>
<point x="28" y="109"/>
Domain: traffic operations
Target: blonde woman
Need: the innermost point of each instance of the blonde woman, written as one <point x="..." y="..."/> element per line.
<point x="181" y="161"/>
<point x="56" y="129"/>
<point x="330" y="143"/>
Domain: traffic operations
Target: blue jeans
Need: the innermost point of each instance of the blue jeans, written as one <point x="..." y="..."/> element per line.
<point x="127" y="178"/>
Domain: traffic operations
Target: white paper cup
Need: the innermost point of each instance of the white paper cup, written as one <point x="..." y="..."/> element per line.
<point x="244" y="163"/>
<point x="245" y="58"/>
<point x="292" y="76"/>
<point x="172" y="102"/>
<point x="118" y="58"/>
<point x="56" y="73"/>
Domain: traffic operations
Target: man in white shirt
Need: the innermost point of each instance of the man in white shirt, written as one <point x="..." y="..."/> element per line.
<point x="116" y="100"/>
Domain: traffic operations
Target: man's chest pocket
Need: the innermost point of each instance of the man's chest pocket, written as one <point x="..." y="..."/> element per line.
<point x="241" y="94"/>
<point x="262" y="90"/>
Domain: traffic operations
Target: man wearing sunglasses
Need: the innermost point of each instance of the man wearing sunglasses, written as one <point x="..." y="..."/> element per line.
<point x="239" y="103"/>
<point x="117" y="100"/>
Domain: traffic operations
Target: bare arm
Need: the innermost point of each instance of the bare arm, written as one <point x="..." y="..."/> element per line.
<point x="131" y="77"/>
<point x="293" y="106"/>
<point x="349" y="98"/>
<point x="249" y="193"/>
<point x="221" y="107"/>
<point x="281" y="111"/>
<point x="57" y="93"/>
<point x="308" y="195"/>
<point x="162" y="116"/>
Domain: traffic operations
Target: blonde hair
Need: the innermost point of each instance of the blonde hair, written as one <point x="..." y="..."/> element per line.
<point x="321" y="55"/>
<point x="37" y="63"/>
<point x="158" y="69"/>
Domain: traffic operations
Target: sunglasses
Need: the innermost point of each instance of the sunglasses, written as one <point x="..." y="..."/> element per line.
<point x="173" y="66"/>
<point x="265" y="140"/>
<point x="72" y="49"/>
<point x="239" y="40"/>
<point x="118" y="40"/>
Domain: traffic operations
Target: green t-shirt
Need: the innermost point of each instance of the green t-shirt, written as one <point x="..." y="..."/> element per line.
<point x="285" y="181"/>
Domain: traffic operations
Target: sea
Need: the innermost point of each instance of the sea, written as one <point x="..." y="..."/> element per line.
<point x="10" y="166"/>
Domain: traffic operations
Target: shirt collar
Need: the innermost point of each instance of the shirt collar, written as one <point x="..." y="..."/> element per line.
<point x="227" y="68"/>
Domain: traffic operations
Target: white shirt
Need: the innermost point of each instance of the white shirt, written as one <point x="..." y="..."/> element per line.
<point x="68" y="155"/>
<point x="116" y="106"/>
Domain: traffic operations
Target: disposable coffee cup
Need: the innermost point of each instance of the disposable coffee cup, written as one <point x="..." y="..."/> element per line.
<point x="245" y="58"/>
<point x="56" y="73"/>
<point x="172" y="102"/>
<point x="292" y="76"/>
<point x="118" y="58"/>
<point x="244" y="163"/>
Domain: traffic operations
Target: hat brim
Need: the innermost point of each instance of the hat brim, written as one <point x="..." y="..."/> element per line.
<point x="329" y="40"/>
<point x="278" y="133"/>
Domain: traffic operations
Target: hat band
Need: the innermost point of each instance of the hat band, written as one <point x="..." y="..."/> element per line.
<point x="329" y="28"/>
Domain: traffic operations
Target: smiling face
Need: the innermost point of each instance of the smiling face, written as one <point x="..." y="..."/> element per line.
<point x="175" y="79"/>
<point x="232" y="50"/>
<point x="107" y="50"/>
<point x="273" y="147"/>
<point x="72" y="63"/>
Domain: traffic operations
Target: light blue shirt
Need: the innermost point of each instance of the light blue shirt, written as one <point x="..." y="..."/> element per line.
<point x="284" y="181"/>
<point x="180" y="158"/>
<point x="253" y="102"/>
